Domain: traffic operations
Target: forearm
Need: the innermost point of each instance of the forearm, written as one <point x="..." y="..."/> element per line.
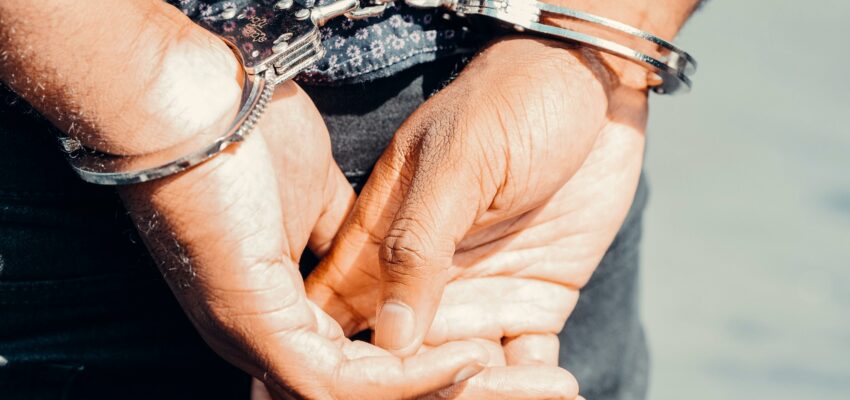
<point x="128" y="76"/>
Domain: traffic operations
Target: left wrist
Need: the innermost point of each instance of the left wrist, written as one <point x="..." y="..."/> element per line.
<point x="551" y="59"/>
<point x="628" y="51"/>
<point x="662" y="18"/>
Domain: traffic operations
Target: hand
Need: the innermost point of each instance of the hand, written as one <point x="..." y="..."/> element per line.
<point x="489" y="309"/>
<point x="530" y="382"/>
<point x="484" y="180"/>
<point x="521" y="287"/>
<point x="228" y="234"/>
<point x="223" y="233"/>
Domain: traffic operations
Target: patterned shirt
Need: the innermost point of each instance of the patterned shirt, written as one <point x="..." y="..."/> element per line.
<point x="363" y="50"/>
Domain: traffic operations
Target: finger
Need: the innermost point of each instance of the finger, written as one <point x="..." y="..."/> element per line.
<point x="338" y="203"/>
<point x="345" y="283"/>
<point x="444" y="198"/>
<point x="390" y="377"/>
<point x="497" y="307"/>
<point x="259" y="391"/>
<point x="524" y="382"/>
<point x="294" y="129"/>
<point x="532" y="349"/>
<point x="325" y="325"/>
<point x="360" y="349"/>
<point x="339" y="307"/>
<point x="494" y="349"/>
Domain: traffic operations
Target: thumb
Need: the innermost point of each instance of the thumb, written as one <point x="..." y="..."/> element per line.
<point x="440" y="206"/>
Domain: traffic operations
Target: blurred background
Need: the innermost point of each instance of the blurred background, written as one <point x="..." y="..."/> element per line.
<point x="746" y="263"/>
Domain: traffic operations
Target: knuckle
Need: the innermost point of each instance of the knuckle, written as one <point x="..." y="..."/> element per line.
<point x="404" y="253"/>
<point x="443" y="136"/>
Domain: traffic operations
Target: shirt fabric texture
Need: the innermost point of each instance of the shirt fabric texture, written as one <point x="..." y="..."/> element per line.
<point x="368" y="49"/>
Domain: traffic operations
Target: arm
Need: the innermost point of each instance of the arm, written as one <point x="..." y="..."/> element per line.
<point x="125" y="77"/>
<point x="136" y="76"/>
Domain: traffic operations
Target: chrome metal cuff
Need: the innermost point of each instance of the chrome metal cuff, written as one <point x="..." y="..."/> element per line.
<point x="672" y="65"/>
<point x="276" y="42"/>
<point x="109" y="169"/>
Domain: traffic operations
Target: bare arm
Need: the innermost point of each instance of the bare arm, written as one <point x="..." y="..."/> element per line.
<point x="134" y="76"/>
<point x="122" y="76"/>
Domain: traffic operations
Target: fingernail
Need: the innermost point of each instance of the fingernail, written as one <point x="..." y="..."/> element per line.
<point x="395" y="326"/>
<point x="468" y="372"/>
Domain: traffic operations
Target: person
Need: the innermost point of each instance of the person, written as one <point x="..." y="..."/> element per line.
<point x="482" y="211"/>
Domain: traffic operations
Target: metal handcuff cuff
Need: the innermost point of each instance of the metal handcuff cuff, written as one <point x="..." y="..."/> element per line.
<point x="283" y="39"/>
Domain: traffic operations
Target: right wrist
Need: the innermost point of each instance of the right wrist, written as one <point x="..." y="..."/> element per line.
<point x="119" y="77"/>
<point x="195" y="87"/>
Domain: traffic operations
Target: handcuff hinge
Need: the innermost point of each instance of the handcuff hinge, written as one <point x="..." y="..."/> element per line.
<point x="322" y="14"/>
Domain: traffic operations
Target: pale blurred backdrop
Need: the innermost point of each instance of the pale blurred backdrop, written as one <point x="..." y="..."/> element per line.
<point x="746" y="263"/>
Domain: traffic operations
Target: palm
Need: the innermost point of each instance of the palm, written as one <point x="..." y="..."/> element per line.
<point x="227" y="241"/>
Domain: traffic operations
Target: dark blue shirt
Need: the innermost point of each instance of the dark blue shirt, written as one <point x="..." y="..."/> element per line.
<point x="360" y="51"/>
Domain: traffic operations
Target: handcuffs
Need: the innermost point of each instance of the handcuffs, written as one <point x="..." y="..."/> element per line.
<point x="279" y="40"/>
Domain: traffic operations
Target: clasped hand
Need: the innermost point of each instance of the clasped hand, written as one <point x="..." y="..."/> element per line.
<point x="465" y="251"/>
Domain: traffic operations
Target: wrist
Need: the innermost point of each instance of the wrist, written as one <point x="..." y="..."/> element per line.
<point x="195" y="87"/>
<point x="661" y="18"/>
<point x="554" y="61"/>
<point x="125" y="78"/>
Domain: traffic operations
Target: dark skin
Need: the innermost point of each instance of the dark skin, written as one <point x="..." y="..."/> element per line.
<point x="228" y="234"/>
<point x="502" y="162"/>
